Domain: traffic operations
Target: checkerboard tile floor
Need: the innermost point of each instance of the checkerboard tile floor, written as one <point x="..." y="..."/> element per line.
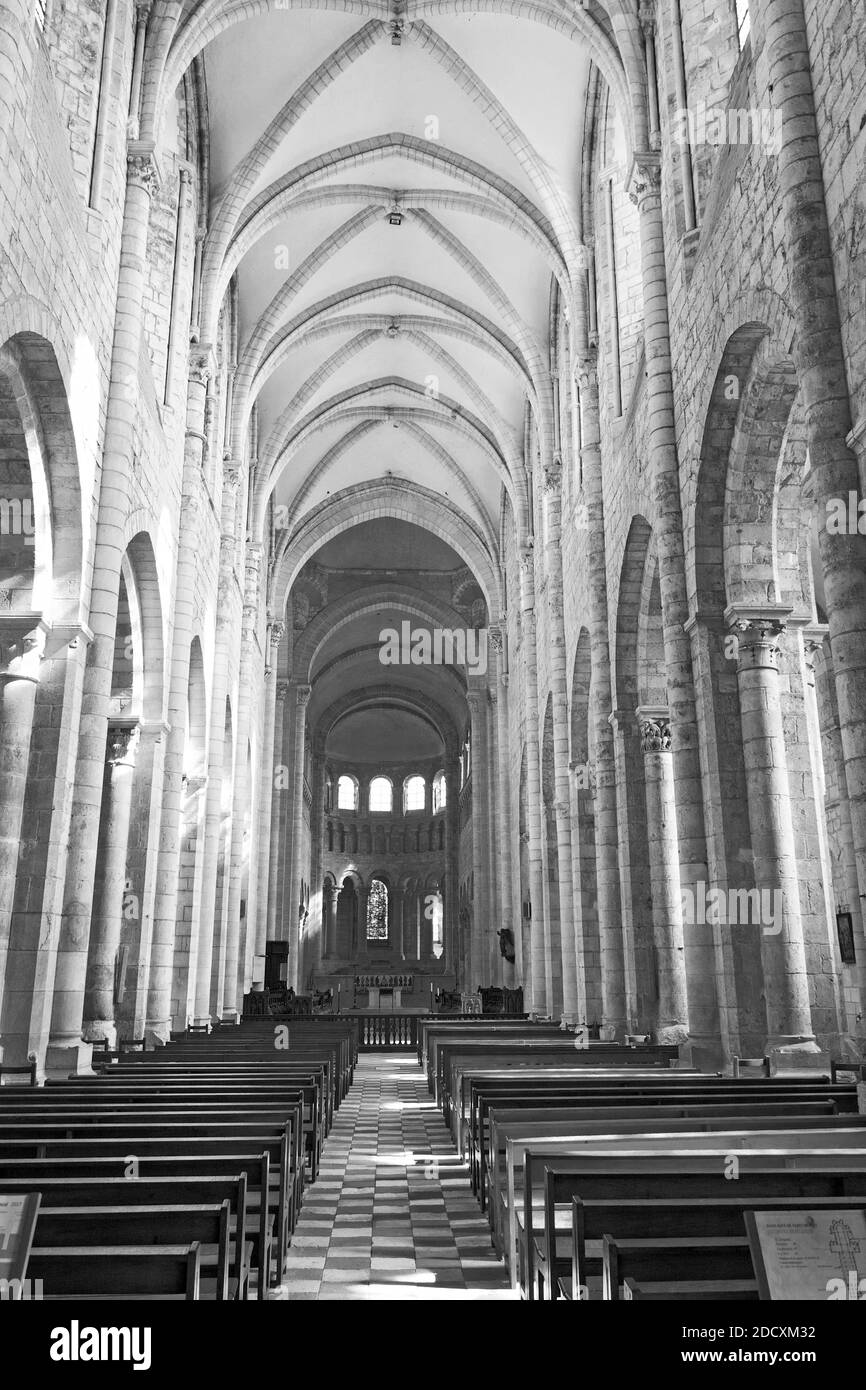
<point x="392" y="1215"/>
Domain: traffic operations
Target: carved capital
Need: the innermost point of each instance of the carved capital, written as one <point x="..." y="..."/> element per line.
<point x="758" y="635"/>
<point x="122" y="743"/>
<point x="22" y="646"/>
<point x="814" y="638"/>
<point x="647" y="17"/>
<point x="142" y="167"/>
<point x="496" y="638"/>
<point x="302" y="696"/>
<point x="202" y="364"/>
<point x="645" y="177"/>
<point x="655" y="732"/>
<point x="231" y="478"/>
<point x="278" y="632"/>
<point x="283" y="688"/>
<point x="586" y="369"/>
<point x="553" y="476"/>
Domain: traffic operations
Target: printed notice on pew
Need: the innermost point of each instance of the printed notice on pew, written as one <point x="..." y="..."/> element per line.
<point x="814" y="1255"/>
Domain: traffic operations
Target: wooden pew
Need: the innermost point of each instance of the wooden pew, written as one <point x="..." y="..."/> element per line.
<point x="665" y="1217"/>
<point x="525" y="1247"/>
<point x="102" y="1120"/>
<point x="262" y="1200"/>
<point x="184" y="1114"/>
<point x="85" y="1194"/>
<point x="691" y="1172"/>
<point x="140" y="1140"/>
<point x="566" y="1090"/>
<point x="109" y="1226"/>
<point x="556" y="1117"/>
<point x="590" y="1122"/>
<point x="117" y="1272"/>
<point x="697" y="1291"/>
<point x="664" y="1258"/>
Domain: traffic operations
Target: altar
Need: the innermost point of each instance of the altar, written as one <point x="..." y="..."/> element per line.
<point x="384" y="992"/>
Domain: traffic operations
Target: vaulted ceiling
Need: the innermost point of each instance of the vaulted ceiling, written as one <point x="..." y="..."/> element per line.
<point x="395" y="191"/>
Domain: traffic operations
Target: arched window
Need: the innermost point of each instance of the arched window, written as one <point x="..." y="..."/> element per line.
<point x="744" y="21"/>
<point x="466" y="758"/>
<point x="381" y="794"/>
<point x="377" y="910"/>
<point x="438" y="923"/>
<point x="347" y="794"/>
<point x="439" y="792"/>
<point x="414" y="793"/>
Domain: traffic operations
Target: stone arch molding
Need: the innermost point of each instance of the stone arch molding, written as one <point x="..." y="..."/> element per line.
<point x="399" y="499"/>
<point x="614" y="44"/>
<point x="353" y="606"/>
<point x="30" y="366"/>
<point x="413" y="700"/>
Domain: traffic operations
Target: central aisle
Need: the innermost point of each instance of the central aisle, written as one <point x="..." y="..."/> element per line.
<point x="392" y="1214"/>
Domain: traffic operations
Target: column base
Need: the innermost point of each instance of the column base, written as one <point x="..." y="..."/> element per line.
<point x="704" y="1053"/>
<point x="157" y="1034"/>
<point x="68" y="1059"/>
<point x="671" y="1035"/>
<point x="797" y="1053"/>
<point x="230" y="1016"/>
<point x="100" y="1030"/>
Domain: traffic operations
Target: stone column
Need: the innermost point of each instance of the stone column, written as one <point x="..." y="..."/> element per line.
<point x="105" y="932"/>
<point x="667" y="910"/>
<point x="452" y="840"/>
<point x="141" y="877"/>
<point x="573" y="992"/>
<point x="836" y="810"/>
<point x="359" y="935"/>
<point x="266" y="801"/>
<point x="278" y="811"/>
<point x="22" y="644"/>
<point x="633" y="872"/>
<point x="667" y="519"/>
<point x="243" y="789"/>
<point x="329" y="918"/>
<point x="509" y="863"/>
<point x="122" y="409"/>
<point x="537" y="993"/>
<point x="181" y="989"/>
<point x="495" y="870"/>
<point x="476" y="699"/>
<point x="317" y="835"/>
<point x="28" y="992"/>
<point x="612" y="983"/>
<point x="780" y="32"/>
<point x="193" y="511"/>
<point x="786" y="987"/>
<point x="227" y="595"/>
<point x="302" y="698"/>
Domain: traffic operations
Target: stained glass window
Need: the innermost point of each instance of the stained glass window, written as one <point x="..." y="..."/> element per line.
<point x="377" y="911"/>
